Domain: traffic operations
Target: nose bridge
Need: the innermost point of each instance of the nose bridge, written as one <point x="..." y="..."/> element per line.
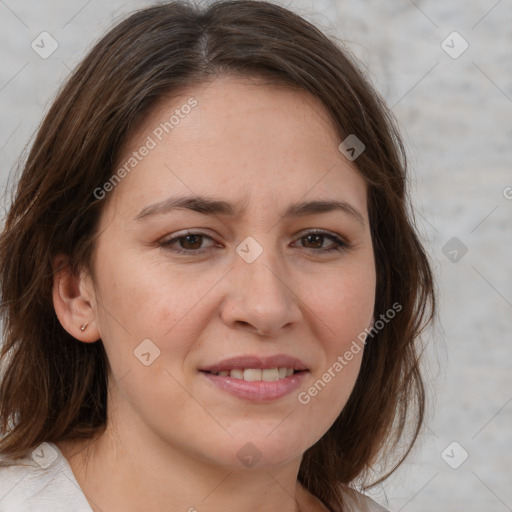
<point x="259" y="266"/>
<point x="260" y="295"/>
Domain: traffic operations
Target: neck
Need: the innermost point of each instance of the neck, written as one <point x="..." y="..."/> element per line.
<point x="115" y="475"/>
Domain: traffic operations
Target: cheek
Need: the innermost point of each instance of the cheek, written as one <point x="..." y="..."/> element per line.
<point x="144" y="295"/>
<point x="343" y="302"/>
<point x="343" y="308"/>
<point x="151" y="301"/>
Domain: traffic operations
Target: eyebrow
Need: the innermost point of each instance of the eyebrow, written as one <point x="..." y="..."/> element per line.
<point x="211" y="206"/>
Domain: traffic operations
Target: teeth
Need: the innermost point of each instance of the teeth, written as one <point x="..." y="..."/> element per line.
<point x="237" y="374"/>
<point x="270" y="374"/>
<point x="254" y="374"/>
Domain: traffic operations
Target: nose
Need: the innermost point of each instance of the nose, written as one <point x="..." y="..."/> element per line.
<point x="259" y="296"/>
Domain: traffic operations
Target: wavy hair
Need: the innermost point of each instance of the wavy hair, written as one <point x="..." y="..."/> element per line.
<point x="54" y="388"/>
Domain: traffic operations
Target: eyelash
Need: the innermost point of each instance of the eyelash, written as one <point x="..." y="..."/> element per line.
<point x="339" y="244"/>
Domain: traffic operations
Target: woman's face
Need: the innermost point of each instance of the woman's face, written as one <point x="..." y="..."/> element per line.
<point x="251" y="281"/>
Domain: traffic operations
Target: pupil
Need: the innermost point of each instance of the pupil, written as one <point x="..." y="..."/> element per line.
<point x="316" y="237"/>
<point x="197" y="237"/>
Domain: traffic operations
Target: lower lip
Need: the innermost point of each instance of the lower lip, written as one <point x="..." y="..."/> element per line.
<point x="257" y="391"/>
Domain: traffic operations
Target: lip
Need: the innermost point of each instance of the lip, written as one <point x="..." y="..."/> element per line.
<point x="256" y="362"/>
<point x="257" y="391"/>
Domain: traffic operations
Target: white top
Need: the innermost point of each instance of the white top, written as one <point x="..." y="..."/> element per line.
<point x="45" y="482"/>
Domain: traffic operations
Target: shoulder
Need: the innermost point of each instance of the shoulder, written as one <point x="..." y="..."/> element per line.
<point x="42" y="482"/>
<point x="358" y="502"/>
<point x="353" y="501"/>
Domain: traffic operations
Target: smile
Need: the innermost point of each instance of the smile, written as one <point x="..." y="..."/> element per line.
<point x="256" y="374"/>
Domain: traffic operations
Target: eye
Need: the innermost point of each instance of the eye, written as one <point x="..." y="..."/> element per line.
<point x="314" y="239"/>
<point x="191" y="242"/>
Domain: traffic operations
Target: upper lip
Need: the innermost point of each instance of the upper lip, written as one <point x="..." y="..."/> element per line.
<point x="257" y="362"/>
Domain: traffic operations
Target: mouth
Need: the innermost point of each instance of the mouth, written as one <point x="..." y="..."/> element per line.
<point x="255" y="378"/>
<point x="257" y="374"/>
<point x="253" y="367"/>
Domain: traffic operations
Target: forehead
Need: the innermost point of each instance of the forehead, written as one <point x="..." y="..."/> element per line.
<point x="236" y="136"/>
<point x="232" y="102"/>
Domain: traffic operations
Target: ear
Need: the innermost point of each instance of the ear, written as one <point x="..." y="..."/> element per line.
<point x="73" y="301"/>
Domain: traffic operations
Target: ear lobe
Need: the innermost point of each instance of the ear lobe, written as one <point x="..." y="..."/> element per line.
<point x="71" y="302"/>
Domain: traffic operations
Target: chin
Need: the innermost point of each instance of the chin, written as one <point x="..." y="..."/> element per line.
<point x="257" y="452"/>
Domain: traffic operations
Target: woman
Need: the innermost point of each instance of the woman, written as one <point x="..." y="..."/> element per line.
<point x="212" y="289"/>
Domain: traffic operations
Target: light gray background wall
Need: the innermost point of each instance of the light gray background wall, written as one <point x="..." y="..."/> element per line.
<point x="455" y="115"/>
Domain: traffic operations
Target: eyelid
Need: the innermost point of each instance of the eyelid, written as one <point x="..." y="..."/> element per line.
<point x="340" y="243"/>
<point x="166" y="241"/>
<point x="321" y="231"/>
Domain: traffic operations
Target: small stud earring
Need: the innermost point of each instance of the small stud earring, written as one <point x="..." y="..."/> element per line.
<point x="83" y="327"/>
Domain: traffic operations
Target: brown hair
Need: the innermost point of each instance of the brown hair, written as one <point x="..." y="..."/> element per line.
<point x="54" y="388"/>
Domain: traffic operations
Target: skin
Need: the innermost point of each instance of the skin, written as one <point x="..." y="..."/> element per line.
<point x="172" y="437"/>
